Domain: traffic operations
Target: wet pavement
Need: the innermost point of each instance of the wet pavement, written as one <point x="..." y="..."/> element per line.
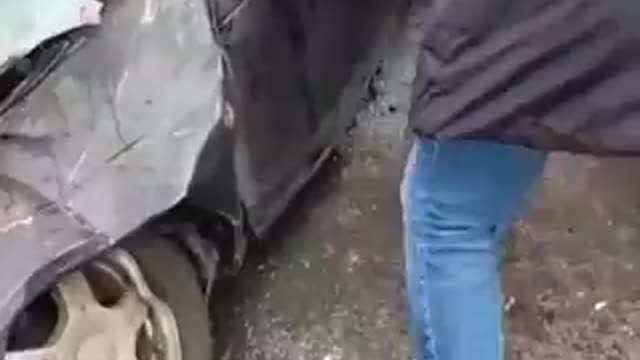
<point x="327" y="284"/>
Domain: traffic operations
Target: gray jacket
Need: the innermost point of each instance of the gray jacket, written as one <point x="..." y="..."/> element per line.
<point x="550" y="74"/>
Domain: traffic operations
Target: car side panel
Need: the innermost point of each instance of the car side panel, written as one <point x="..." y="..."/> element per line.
<point x="292" y="70"/>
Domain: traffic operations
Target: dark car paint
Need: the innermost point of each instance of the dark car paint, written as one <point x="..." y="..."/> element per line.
<point x="132" y="125"/>
<point x="294" y="77"/>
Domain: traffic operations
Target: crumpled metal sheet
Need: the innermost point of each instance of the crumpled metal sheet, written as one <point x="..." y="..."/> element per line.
<point x="110" y="137"/>
<point x="114" y="133"/>
<point x="36" y="231"/>
<point x="26" y="23"/>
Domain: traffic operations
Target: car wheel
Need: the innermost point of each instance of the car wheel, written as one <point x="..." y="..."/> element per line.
<point x="139" y="303"/>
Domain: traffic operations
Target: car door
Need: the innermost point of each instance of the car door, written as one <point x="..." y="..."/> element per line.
<point x="288" y="65"/>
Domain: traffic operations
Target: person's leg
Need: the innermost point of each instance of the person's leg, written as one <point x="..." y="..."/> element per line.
<point x="459" y="199"/>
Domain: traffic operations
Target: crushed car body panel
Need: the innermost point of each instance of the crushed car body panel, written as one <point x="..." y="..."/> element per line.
<point x="113" y="133"/>
<point x="35" y="234"/>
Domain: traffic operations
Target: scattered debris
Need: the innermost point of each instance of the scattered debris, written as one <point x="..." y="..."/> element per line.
<point x="353" y="260"/>
<point x="376" y="85"/>
<point x="509" y="304"/>
<point x="600" y="305"/>
<point x="306" y="263"/>
<point x="329" y="251"/>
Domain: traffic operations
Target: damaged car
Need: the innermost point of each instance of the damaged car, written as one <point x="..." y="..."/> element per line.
<point x="144" y="146"/>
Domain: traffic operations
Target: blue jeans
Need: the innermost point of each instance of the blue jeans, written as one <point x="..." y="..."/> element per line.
<point x="460" y="199"/>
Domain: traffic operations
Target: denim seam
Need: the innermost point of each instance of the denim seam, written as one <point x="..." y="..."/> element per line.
<point x="429" y="333"/>
<point x="404" y="186"/>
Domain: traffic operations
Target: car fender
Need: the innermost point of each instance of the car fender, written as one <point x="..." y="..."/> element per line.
<point x="40" y="241"/>
<point x="108" y="138"/>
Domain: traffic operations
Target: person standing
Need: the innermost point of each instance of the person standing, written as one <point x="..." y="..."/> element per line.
<point x="500" y="83"/>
